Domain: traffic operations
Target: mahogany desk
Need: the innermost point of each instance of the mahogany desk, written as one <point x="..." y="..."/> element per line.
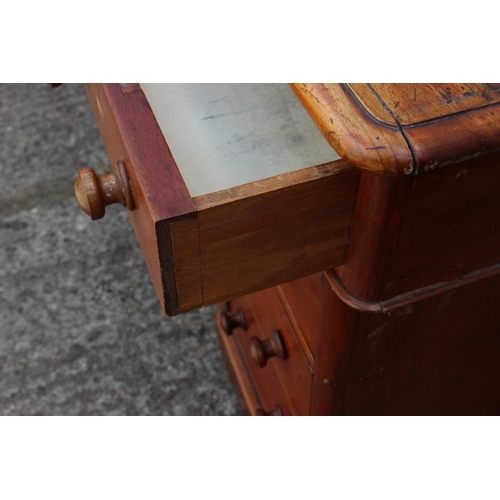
<point x="356" y="275"/>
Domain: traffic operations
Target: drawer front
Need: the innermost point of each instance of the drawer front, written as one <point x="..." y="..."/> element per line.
<point x="261" y="390"/>
<point x="287" y="381"/>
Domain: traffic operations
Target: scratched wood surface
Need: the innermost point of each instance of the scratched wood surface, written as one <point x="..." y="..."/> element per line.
<point x="355" y="135"/>
<point x="412" y="103"/>
<point x="393" y="129"/>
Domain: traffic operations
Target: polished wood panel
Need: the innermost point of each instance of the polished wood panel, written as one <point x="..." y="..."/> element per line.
<point x="380" y="210"/>
<point x="439" y="356"/>
<point x="451" y="228"/>
<point x="337" y="325"/>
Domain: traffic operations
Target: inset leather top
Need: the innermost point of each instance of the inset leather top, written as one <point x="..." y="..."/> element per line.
<point x="392" y="129"/>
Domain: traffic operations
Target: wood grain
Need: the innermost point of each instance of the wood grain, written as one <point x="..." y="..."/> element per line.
<point x="260" y="235"/>
<point x="412" y="103"/>
<point x="451" y="227"/>
<point x="393" y="129"/>
<point x="376" y="147"/>
<point x="184" y="234"/>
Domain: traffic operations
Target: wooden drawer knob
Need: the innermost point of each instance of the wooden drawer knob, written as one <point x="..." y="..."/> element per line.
<point x="262" y="350"/>
<point x="231" y="321"/>
<point x="275" y="412"/>
<point x="94" y="193"/>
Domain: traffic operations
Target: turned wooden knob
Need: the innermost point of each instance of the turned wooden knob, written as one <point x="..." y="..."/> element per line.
<point x="231" y="321"/>
<point x="94" y="193"/>
<point x="262" y="350"/>
<point x="275" y="412"/>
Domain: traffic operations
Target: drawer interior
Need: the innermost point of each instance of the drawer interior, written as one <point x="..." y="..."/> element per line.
<point x="226" y="135"/>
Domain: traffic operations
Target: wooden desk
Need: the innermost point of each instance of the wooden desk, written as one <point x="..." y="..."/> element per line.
<point x="365" y="284"/>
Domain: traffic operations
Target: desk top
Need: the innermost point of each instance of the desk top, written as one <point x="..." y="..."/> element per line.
<point x="392" y="129"/>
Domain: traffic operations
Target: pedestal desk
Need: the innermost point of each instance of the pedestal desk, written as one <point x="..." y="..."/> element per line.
<point x="349" y="232"/>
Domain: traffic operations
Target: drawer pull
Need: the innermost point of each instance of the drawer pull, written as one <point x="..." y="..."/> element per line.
<point x="262" y="350"/>
<point x="230" y="322"/>
<point x="275" y="412"/>
<point x="94" y="193"/>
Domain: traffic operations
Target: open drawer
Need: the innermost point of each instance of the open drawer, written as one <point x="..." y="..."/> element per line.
<point x="234" y="188"/>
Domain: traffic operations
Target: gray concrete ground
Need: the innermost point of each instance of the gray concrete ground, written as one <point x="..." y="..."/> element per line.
<point x="81" y="330"/>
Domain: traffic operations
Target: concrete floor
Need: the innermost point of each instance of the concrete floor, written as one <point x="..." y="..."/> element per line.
<point x="81" y="330"/>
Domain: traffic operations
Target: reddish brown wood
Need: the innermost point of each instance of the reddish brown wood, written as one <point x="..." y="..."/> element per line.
<point x="414" y="327"/>
<point x="131" y="134"/>
<point x="337" y="324"/>
<point x="393" y="129"/>
<point x="242" y="382"/>
<point x="186" y="262"/>
<point x="412" y="103"/>
<point x="224" y="244"/>
<point x="353" y="133"/>
<point x="129" y="130"/>
<point x="292" y="375"/>
<point x="262" y="350"/>
<point x="266" y="382"/>
<point x="300" y="299"/>
<point x="378" y="216"/>
<point x="265" y="233"/>
<point x="452" y="226"/>
<point x="230" y="321"/>
<point x="440" y="356"/>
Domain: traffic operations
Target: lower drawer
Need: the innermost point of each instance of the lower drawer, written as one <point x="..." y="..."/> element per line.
<point x="272" y="353"/>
